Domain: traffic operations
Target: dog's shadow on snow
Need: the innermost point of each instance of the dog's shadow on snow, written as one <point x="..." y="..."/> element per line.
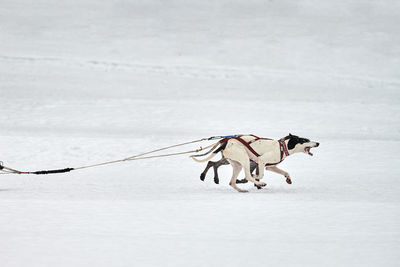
<point x="279" y="190"/>
<point x="253" y="190"/>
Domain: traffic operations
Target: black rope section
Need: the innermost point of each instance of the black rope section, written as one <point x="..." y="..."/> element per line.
<point x="53" y="171"/>
<point x="7" y="170"/>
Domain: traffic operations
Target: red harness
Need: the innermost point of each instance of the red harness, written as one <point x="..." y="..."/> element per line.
<point x="284" y="151"/>
<point x="282" y="146"/>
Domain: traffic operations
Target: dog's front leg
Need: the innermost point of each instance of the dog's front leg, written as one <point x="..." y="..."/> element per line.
<point x="253" y="166"/>
<point x="260" y="174"/>
<point x="236" y="152"/>
<point x="261" y="161"/>
<point x="279" y="171"/>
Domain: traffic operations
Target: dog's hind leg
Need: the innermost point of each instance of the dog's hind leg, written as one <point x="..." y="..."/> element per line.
<point x="215" y="165"/>
<point x="237" y="167"/>
<point x="218" y="164"/>
<point x="204" y="173"/>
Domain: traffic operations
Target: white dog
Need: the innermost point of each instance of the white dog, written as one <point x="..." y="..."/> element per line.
<point x="239" y="150"/>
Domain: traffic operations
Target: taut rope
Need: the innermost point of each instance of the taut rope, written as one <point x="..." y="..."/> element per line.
<point x="140" y="156"/>
<point x="8" y="170"/>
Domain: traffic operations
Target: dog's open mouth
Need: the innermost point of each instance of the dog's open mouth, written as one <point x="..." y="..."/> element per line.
<point x="307" y="150"/>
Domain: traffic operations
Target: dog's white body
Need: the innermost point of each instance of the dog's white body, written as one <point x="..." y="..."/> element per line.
<point x="269" y="151"/>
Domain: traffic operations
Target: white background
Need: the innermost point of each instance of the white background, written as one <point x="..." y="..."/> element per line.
<point x="88" y="81"/>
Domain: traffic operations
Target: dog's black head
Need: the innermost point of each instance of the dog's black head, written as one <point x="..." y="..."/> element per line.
<point x="300" y="144"/>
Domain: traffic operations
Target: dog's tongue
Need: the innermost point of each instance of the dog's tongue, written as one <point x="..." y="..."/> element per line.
<point x="307" y="149"/>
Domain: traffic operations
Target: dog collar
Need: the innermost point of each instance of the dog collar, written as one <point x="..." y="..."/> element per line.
<point x="283" y="148"/>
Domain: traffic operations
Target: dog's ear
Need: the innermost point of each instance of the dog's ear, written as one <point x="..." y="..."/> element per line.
<point x="290" y="135"/>
<point x="293" y="141"/>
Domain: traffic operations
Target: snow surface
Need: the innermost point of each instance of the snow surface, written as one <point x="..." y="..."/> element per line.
<point x="88" y="81"/>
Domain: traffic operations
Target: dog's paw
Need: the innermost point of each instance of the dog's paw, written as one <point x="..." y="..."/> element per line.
<point x="202" y="176"/>
<point x="259" y="187"/>
<point x="243" y="191"/>
<point x="261" y="184"/>
<point x="216" y="180"/>
<point x="242" y="181"/>
<point x="288" y="180"/>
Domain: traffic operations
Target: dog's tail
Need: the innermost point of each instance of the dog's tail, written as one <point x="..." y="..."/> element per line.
<point x="222" y="147"/>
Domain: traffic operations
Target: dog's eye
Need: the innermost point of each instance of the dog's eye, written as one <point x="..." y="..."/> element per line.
<point x="303" y="140"/>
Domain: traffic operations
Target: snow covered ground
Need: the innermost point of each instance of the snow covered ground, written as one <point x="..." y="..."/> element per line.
<point x="88" y="81"/>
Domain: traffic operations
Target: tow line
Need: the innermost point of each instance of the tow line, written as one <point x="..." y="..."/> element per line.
<point x="7" y="170"/>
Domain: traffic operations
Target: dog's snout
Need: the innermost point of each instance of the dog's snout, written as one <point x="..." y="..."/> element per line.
<point x="317" y="144"/>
